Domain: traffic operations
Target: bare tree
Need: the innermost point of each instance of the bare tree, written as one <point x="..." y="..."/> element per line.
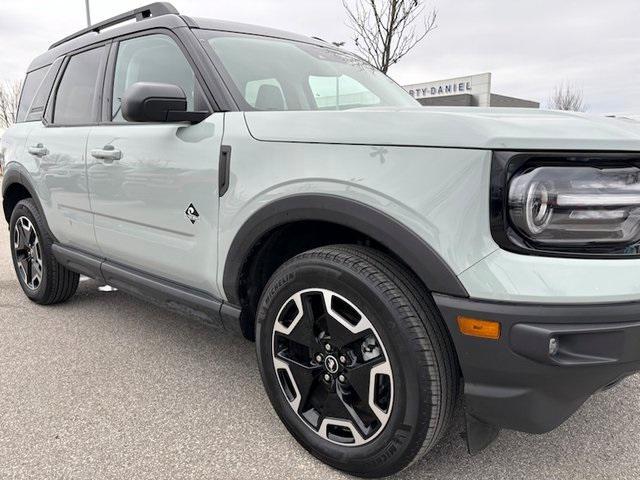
<point x="9" y="98"/>
<point x="386" y="30"/>
<point x="567" y="97"/>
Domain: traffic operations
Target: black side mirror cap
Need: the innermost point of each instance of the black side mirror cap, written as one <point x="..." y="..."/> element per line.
<point x="157" y="102"/>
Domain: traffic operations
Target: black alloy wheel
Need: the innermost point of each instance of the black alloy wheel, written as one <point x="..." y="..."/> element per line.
<point x="332" y="367"/>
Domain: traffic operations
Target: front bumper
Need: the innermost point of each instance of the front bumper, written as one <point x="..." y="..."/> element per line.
<point x="515" y="383"/>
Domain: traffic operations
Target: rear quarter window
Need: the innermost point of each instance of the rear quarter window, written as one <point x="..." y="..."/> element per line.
<point x="36" y="112"/>
<point x="31" y="85"/>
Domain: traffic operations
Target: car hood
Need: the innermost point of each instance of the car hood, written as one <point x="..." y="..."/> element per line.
<point x="458" y="127"/>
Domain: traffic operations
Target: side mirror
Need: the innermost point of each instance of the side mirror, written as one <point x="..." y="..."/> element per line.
<point x="157" y="102"/>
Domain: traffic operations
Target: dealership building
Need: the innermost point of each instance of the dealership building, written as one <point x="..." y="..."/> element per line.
<point x="471" y="91"/>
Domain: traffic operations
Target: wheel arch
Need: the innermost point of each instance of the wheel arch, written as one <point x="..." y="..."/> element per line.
<point x="351" y="221"/>
<point x="15" y="187"/>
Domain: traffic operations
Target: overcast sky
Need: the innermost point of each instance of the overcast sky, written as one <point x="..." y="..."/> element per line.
<point x="528" y="45"/>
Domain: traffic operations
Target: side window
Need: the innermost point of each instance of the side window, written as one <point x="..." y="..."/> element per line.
<point x="29" y="88"/>
<point x="333" y="93"/>
<point x="154" y="58"/>
<point x="75" y="97"/>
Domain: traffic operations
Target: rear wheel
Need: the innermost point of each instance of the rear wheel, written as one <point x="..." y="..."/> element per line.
<point x="41" y="277"/>
<point x="355" y="359"/>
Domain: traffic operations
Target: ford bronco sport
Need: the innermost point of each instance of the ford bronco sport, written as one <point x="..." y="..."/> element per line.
<point x="385" y="257"/>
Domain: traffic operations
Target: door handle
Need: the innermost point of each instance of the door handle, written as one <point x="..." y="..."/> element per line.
<point x="108" y="153"/>
<point x="38" y="150"/>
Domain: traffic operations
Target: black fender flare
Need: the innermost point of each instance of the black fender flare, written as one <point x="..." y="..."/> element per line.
<point x="434" y="272"/>
<point x="10" y="176"/>
<point x="16" y="174"/>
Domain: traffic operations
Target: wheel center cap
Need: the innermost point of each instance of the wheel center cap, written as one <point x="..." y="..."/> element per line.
<point x="331" y="364"/>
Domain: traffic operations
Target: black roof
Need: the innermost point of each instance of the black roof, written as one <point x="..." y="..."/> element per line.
<point x="225" y="26"/>
<point x="155" y="15"/>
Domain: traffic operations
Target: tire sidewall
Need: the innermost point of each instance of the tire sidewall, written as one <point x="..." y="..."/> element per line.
<point x="394" y="447"/>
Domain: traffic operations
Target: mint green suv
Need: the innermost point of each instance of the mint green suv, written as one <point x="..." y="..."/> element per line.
<point x="386" y="258"/>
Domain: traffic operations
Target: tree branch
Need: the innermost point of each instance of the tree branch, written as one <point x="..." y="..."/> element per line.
<point x="385" y="30"/>
<point x="567" y="97"/>
<point x="9" y="99"/>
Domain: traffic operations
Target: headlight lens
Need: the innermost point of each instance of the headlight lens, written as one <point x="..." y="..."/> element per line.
<point x="576" y="206"/>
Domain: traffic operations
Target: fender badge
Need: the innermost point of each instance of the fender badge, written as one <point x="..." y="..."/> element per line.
<point x="192" y="214"/>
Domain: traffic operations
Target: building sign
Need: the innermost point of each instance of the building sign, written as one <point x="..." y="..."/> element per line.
<point x="469" y="91"/>
<point x="442" y="89"/>
<point x="478" y="86"/>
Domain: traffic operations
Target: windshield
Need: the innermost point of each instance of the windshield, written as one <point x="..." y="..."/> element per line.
<point x="272" y="74"/>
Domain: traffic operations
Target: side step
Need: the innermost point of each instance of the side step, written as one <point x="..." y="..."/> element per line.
<point x="175" y="297"/>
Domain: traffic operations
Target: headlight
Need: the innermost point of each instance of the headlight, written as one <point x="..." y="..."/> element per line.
<point x="566" y="204"/>
<point x="577" y="205"/>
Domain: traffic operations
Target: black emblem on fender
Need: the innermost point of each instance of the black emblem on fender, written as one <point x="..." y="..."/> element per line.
<point x="192" y="214"/>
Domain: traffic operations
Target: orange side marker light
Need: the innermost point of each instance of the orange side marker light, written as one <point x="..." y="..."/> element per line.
<point x="479" y="328"/>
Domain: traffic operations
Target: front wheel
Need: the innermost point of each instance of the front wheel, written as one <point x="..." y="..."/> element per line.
<point x="355" y="359"/>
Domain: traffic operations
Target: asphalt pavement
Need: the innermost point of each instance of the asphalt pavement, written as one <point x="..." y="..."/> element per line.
<point x="106" y="386"/>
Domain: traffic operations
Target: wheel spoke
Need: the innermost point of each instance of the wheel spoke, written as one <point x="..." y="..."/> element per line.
<point x="301" y="328"/>
<point x="342" y="337"/>
<point x="344" y="331"/>
<point x="37" y="270"/>
<point x="305" y="378"/>
<point x="23" y="265"/>
<point x="30" y="272"/>
<point x="20" y="242"/>
<point x="360" y="378"/>
<point x="335" y="407"/>
<point x="303" y="381"/>
<point x="303" y="332"/>
<point x="338" y="406"/>
<point x="26" y="233"/>
<point x="361" y="418"/>
<point x="296" y="342"/>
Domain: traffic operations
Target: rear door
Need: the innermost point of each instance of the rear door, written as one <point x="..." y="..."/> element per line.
<point x="154" y="186"/>
<point x="55" y="148"/>
<point x="13" y="141"/>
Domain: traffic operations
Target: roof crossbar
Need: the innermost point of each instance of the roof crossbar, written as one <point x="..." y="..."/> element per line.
<point x="152" y="10"/>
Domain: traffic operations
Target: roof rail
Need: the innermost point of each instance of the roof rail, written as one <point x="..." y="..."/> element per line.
<point x="152" y="10"/>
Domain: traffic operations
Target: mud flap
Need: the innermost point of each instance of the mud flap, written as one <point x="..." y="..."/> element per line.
<point x="479" y="434"/>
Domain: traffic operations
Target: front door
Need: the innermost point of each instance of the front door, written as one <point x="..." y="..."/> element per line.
<point x="153" y="187"/>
